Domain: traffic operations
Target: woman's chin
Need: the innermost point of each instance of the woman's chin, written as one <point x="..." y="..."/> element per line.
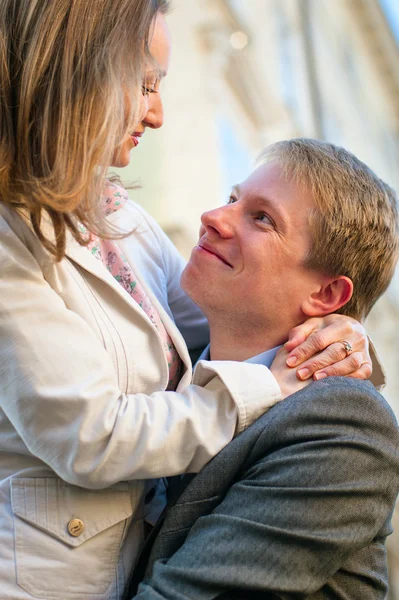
<point x="121" y="162"/>
<point x="121" y="158"/>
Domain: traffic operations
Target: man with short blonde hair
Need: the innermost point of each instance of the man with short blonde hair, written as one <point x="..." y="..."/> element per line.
<point x="356" y="214"/>
<point x="299" y="504"/>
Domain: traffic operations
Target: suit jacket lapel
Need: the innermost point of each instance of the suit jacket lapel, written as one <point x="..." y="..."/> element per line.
<point x="199" y="495"/>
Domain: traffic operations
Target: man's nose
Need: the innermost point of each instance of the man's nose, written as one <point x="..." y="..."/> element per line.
<point x="219" y="221"/>
<point x="154" y="116"/>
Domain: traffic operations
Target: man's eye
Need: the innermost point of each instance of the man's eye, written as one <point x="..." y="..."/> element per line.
<point x="231" y="200"/>
<point x="264" y="218"/>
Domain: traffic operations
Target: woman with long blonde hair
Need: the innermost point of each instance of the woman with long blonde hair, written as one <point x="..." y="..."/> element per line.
<point x="96" y="391"/>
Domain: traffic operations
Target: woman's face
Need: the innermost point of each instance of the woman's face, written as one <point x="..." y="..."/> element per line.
<point x="150" y="99"/>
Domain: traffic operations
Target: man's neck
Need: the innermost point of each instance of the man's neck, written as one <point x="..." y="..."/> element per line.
<point x="229" y="343"/>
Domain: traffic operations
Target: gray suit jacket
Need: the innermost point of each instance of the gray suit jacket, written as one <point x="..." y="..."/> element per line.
<point x="297" y="506"/>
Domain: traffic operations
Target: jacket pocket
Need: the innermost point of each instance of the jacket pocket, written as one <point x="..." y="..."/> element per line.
<point x="68" y="539"/>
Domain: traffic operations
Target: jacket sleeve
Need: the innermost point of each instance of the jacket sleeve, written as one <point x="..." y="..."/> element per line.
<point x="59" y="391"/>
<point x="321" y="492"/>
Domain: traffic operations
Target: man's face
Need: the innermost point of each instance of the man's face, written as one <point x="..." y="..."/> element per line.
<point x="248" y="264"/>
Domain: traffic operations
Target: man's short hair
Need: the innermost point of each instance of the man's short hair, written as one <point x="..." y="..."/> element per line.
<point x="354" y="226"/>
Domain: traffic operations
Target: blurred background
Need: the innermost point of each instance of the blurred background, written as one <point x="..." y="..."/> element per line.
<point x="245" y="73"/>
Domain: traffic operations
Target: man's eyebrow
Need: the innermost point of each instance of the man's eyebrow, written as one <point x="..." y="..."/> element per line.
<point x="265" y="201"/>
<point x="275" y="210"/>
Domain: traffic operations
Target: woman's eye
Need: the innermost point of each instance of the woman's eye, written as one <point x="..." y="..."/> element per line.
<point x="146" y="91"/>
<point x="231" y="200"/>
<point x="150" y="86"/>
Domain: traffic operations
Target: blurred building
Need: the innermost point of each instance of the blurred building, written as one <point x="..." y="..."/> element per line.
<point x="245" y="73"/>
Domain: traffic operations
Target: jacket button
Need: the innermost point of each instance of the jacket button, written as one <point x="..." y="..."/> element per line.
<point x="76" y="527"/>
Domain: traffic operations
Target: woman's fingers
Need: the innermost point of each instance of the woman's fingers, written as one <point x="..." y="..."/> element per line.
<point x="332" y="345"/>
<point x="333" y="354"/>
<point x="348" y="367"/>
<point x="298" y="334"/>
<point x="333" y="361"/>
<point x="321" y="339"/>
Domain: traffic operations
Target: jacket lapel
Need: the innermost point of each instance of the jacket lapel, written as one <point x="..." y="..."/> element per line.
<point x="171" y="328"/>
<point x="200" y="494"/>
<point x="82" y="257"/>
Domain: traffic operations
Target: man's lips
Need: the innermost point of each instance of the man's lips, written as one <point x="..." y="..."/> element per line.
<point x="210" y="250"/>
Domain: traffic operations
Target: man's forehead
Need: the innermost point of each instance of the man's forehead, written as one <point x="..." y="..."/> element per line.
<point x="272" y="180"/>
<point x="261" y="179"/>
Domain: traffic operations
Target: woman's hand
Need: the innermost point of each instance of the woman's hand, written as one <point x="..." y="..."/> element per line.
<point x="316" y="350"/>
<point x="286" y="377"/>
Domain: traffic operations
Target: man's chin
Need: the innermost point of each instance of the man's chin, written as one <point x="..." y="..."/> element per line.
<point x="186" y="279"/>
<point x="192" y="283"/>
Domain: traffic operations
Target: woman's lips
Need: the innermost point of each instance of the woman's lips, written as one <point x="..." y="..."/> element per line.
<point x="136" y="138"/>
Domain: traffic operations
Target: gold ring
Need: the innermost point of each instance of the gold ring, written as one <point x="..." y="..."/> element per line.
<point x="347" y="346"/>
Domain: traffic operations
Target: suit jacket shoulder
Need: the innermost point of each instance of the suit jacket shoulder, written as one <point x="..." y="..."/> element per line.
<point x="299" y="503"/>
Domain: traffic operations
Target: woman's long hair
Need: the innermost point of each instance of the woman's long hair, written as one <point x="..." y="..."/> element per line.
<point x="66" y="69"/>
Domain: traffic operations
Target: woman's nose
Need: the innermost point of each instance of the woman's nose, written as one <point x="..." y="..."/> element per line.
<point x="143" y="101"/>
<point x="154" y="116"/>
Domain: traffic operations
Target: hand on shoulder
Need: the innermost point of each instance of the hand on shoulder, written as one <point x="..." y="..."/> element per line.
<point x="286" y="376"/>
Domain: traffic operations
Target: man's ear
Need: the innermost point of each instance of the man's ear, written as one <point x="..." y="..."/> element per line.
<point x="331" y="295"/>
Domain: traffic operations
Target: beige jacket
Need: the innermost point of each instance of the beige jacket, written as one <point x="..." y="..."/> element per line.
<point x="84" y="418"/>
